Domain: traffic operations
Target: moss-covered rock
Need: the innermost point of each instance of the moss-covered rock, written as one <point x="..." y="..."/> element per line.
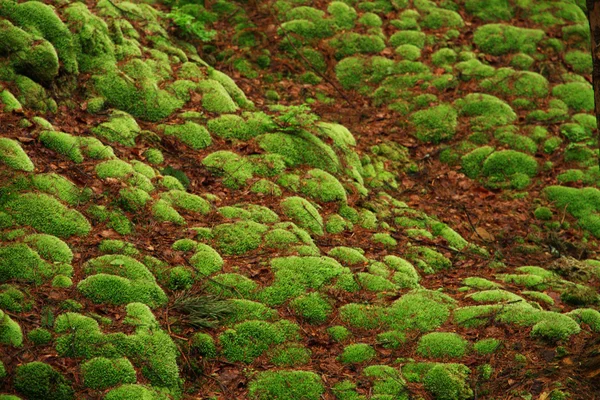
<point x="12" y="154"/>
<point x="37" y="380"/>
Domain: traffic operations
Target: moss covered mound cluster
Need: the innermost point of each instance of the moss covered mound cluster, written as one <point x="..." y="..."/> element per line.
<point x="163" y="237"/>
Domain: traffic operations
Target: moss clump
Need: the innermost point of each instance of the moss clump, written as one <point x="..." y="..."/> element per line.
<point x="194" y="135"/>
<point x="286" y="385"/>
<point x="301" y="148"/>
<point x="119" y="279"/>
<point x="442" y="345"/>
<point x="349" y="43"/>
<point x="579" y="96"/>
<point x="448" y="382"/>
<point x="204" y="345"/>
<point x="239" y="237"/>
<point x="10" y="331"/>
<point x="347" y="255"/>
<point x="248" y="340"/>
<point x="127" y="392"/>
<point x="487" y="346"/>
<point x="50" y="247"/>
<point x="419" y="309"/>
<point x="486" y="111"/>
<point x="339" y="333"/>
<point x="517" y="83"/>
<point x="37" y="380"/>
<point x="322" y="186"/>
<point x="357" y="353"/>
<point x="215" y="97"/>
<point x="493" y="10"/>
<point x="39" y="336"/>
<point x="583" y="204"/>
<point x="235" y="127"/>
<point x="164" y="212"/>
<point x="408" y="37"/>
<point x="46" y="214"/>
<point x="313" y="307"/>
<point x="236" y="169"/>
<point x="154" y="156"/>
<point x="187" y="201"/>
<point x="543" y="213"/>
<point x="12" y="154"/>
<point x="120" y="128"/>
<point x="580" y="61"/>
<point x="303" y="213"/>
<point x="294" y="275"/>
<point x="290" y="356"/>
<point x="435" y="124"/>
<point x="139" y="97"/>
<point x="101" y="373"/>
<point x="498" y="39"/>
<point x="509" y="164"/>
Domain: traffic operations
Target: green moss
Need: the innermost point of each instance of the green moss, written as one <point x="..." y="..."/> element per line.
<point x="154" y="156"/>
<point x="421" y="310"/>
<point x="357" y="353"/>
<point x="194" y="135"/>
<point x="215" y="97"/>
<point x="448" y="382"/>
<point x="232" y="126"/>
<point x="583" y="204"/>
<point x="236" y="169"/>
<point x="580" y="61"/>
<point x="119" y="279"/>
<point x="232" y="285"/>
<point x="12" y="154"/>
<point x="162" y="211"/>
<point x="290" y="356"/>
<point x="391" y="339"/>
<point x="239" y="237"/>
<point x="405" y="275"/>
<point x="587" y="316"/>
<point x="127" y="392"/>
<point x="9" y="102"/>
<point x="498" y="39"/>
<point x="286" y="385"/>
<point x="139" y="97"/>
<point x="349" y="43"/>
<point x="39" y="336"/>
<point x="12" y="299"/>
<point x="437" y="18"/>
<point x="301" y="148"/>
<point x="313" y="307"/>
<point x="248" y="340"/>
<point x="517" y="83"/>
<point x="371" y="20"/>
<point x="10" y="331"/>
<point x="204" y="345"/>
<point x="408" y="37"/>
<point x="187" y="201"/>
<point x="435" y="124"/>
<point x="578" y="96"/>
<point x="493" y="10"/>
<point x="322" y="186"/>
<point x="37" y="380"/>
<point x="120" y="128"/>
<point x="485" y="111"/>
<point x="442" y="345"/>
<point x="62" y="281"/>
<point x="486" y="346"/>
<point x="50" y="247"/>
<point x="522" y="61"/>
<point x="294" y="275"/>
<point x="443" y="57"/>
<point x="555" y="327"/>
<point x="385" y="239"/>
<point x="427" y="259"/>
<point x="102" y="373"/>
<point x="303" y="213"/>
<point x="46" y="214"/>
<point x="339" y="333"/>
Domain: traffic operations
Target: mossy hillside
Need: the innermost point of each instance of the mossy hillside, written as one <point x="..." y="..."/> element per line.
<point x="216" y="242"/>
